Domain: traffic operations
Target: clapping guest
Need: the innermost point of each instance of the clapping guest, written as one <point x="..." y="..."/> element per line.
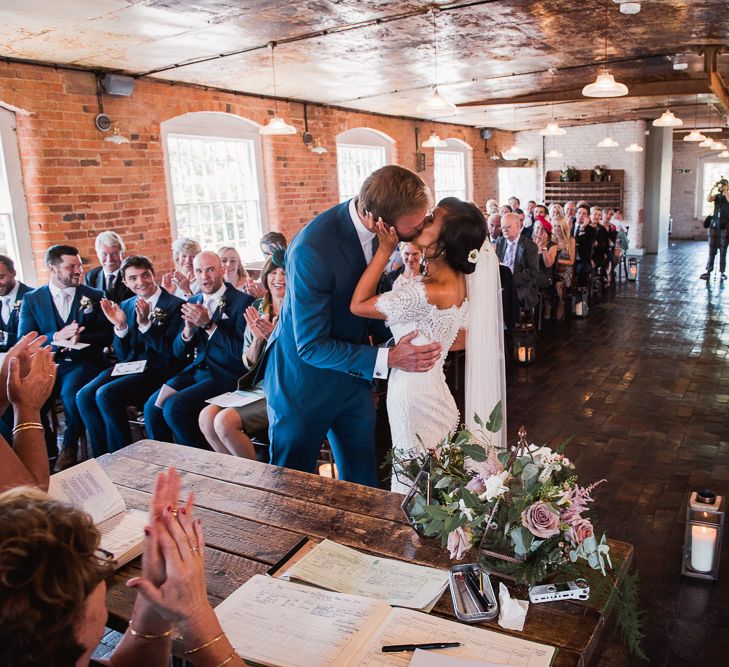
<point x="229" y="430"/>
<point x="145" y="328"/>
<point x="110" y="251"/>
<point x="181" y="282"/>
<point x="52" y="586"/>
<point x="12" y="292"/>
<point x="235" y="273"/>
<point x="26" y="381"/>
<point x="65" y="311"/>
<point x="212" y="336"/>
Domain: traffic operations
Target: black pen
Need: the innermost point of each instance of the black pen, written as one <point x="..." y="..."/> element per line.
<point x="397" y="648"/>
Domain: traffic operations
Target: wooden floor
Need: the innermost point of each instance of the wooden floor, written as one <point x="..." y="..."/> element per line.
<point x="642" y="386"/>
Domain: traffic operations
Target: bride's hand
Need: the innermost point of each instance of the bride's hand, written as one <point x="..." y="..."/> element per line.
<point x="387" y="237"/>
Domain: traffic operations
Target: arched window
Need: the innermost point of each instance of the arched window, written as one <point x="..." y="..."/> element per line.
<point x="14" y="230"/>
<point x="360" y="152"/>
<point x="453" y="170"/>
<point x="214" y="181"/>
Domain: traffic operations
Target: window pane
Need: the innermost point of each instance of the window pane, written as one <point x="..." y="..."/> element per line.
<point x="450" y="174"/>
<point x="215" y="192"/>
<point x="355" y="163"/>
<point x="8" y="243"/>
<point x="713" y="171"/>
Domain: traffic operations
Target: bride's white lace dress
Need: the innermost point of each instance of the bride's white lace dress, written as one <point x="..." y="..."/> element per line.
<point x="420" y="406"/>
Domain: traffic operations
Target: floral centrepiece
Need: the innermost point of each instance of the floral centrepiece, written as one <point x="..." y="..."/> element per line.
<point x="524" y="510"/>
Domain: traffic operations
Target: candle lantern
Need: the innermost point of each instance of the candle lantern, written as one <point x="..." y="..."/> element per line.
<point x="580" y="303"/>
<point x="632" y="269"/>
<point x="702" y="542"/>
<point x="525" y="343"/>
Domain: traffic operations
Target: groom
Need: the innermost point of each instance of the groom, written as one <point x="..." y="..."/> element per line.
<point x="319" y="361"/>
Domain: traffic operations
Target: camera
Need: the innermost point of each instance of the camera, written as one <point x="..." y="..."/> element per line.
<point x="721" y="183"/>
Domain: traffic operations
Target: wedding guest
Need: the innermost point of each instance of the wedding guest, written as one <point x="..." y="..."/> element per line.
<point x="519" y="254"/>
<point x="570" y="212"/>
<point x="514" y="203"/>
<point x="110" y="250"/>
<point x="492" y="206"/>
<point x="145" y="328"/>
<point x="494" y="224"/>
<point x="229" y="430"/>
<point x="547" y="252"/>
<point x="602" y="242"/>
<point x="521" y="214"/>
<point x="65" y="311"/>
<point x="12" y="292"/>
<point x="412" y="256"/>
<point x="504" y="209"/>
<point x="53" y="588"/>
<point x="235" y="273"/>
<point x="564" y="267"/>
<point x="529" y="213"/>
<point x="555" y="210"/>
<point x="212" y="336"/>
<point x="584" y="240"/>
<point x="181" y="282"/>
<point x="612" y="238"/>
<point x="272" y="241"/>
<point x="26" y="380"/>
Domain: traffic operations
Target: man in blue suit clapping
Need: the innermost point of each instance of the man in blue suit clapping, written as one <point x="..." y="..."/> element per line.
<point x="319" y="360"/>
<point x="212" y="337"/>
<point x="12" y="292"/>
<point x="70" y="315"/>
<point x="145" y="328"/>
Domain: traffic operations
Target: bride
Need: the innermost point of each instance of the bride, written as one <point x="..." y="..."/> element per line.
<point x="460" y="290"/>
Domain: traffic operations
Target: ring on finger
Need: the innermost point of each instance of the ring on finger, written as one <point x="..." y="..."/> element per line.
<point x="174" y="512"/>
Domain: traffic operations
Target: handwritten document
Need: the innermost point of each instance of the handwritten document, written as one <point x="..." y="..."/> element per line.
<point x="339" y="568"/>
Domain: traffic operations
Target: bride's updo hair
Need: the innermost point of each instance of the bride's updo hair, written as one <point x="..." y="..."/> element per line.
<point x="464" y="229"/>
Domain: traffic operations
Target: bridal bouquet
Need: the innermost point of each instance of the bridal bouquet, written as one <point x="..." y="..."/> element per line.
<point x="524" y="510"/>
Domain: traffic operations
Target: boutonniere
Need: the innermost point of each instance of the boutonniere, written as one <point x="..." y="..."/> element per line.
<point x="85" y="305"/>
<point x="159" y="317"/>
<point x="221" y="304"/>
<point x="17" y="304"/>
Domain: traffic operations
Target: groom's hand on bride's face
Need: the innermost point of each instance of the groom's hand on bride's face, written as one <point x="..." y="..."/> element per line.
<point x="413" y="358"/>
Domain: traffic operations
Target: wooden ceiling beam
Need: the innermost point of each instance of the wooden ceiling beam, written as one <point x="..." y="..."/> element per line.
<point x="638" y="89"/>
<point x="714" y="79"/>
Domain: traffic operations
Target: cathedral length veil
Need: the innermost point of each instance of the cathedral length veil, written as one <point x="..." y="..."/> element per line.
<point x="485" y="360"/>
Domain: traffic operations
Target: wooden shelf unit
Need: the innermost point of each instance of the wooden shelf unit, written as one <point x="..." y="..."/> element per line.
<point x="596" y="193"/>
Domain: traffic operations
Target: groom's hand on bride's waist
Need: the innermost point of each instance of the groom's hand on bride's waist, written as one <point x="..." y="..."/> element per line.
<point x="413" y="358"/>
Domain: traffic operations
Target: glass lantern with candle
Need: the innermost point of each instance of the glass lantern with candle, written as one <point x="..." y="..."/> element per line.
<point x="525" y="343"/>
<point x="702" y="542"/>
<point x="632" y="269"/>
<point x="580" y="303"/>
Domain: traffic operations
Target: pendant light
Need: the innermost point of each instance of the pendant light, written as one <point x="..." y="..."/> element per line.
<point x="667" y="118"/>
<point x="634" y="147"/>
<point x="553" y="153"/>
<point x="436" y="104"/>
<point x="276" y="125"/>
<point x="514" y="153"/>
<point x="695" y="135"/>
<point x="706" y="143"/>
<point x="723" y="154"/>
<point x="605" y="85"/>
<point x="608" y="141"/>
<point x="552" y="129"/>
<point x="717" y="146"/>
<point x="434" y="141"/>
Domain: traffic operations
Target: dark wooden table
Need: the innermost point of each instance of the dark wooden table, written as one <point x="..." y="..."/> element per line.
<point x="253" y="514"/>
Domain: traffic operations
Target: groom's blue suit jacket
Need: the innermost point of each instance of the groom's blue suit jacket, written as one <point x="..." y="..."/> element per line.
<point x="319" y="352"/>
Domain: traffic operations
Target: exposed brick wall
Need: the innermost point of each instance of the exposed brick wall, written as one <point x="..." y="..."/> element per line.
<point x="76" y="184"/>
<point x="579" y="148"/>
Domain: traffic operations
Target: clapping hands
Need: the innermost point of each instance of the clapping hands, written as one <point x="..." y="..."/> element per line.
<point x="114" y="314"/>
<point x="21" y="374"/>
<point x="261" y="327"/>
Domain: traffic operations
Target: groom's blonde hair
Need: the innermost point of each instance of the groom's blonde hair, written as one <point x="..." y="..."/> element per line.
<point x="391" y="192"/>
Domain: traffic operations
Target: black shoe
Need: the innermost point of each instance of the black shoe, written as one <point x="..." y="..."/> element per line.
<point x="705" y="276"/>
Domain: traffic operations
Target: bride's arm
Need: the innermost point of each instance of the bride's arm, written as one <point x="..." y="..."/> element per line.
<point x="365" y="294"/>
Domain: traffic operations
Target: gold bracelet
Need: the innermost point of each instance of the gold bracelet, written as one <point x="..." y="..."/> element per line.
<point x="134" y="633"/>
<point x="205" y="645"/>
<point x="22" y="424"/>
<point x="227" y="660"/>
<point x="27" y="427"/>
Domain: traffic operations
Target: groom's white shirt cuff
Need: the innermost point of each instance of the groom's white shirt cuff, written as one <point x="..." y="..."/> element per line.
<point x="381" y="363"/>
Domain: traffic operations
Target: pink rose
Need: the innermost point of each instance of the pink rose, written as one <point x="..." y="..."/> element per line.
<point x="579" y="531"/>
<point x="540" y="520"/>
<point x="476" y="485"/>
<point x="459" y="542"/>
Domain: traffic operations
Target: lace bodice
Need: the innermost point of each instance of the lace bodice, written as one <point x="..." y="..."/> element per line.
<point x="407" y="308"/>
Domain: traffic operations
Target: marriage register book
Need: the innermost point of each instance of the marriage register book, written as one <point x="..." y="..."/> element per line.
<point x="90" y="489"/>
<point x="279" y="623"/>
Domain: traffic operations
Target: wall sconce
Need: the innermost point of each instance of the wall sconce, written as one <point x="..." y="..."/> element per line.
<point x="702" y="541"/>
<point x="525" y="343"/>
<point x="632" y="269"/>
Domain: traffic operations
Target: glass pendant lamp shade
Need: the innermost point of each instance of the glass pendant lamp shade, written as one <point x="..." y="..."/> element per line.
<point x="276" y="126"/>
<point x="553" y="153"/>
<point x="694" y="135"/>
<point x="723" y="154"/>
<point x="437" y="105"/>
<point x="605" y="86"/>
<point x="717" y="146"/>
<point x="552" y="130"/>
<point x="634" y="148"/>
<point x="434" y="141"/>
<point x="513" y="153"/>
<point x="706" y="143"/>
<point x="667" y="119"/>
<point x="608" y="142"/>
<point x="117" y="137"/>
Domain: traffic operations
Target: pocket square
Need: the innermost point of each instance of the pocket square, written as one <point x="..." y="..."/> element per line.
<point x="224" y="317"/>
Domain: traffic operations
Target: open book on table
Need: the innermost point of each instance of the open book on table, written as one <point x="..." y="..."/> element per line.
<point x="90" y="489"/>
<point x="279" y="623"/>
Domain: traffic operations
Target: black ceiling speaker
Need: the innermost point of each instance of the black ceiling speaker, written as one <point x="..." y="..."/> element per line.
<point x="118" y="84"/>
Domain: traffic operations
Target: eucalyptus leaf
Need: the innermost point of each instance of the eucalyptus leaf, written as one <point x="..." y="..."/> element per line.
<point x="530" y="473"/>
<point x="474" y="451"/>
<point x="495" y="419"/>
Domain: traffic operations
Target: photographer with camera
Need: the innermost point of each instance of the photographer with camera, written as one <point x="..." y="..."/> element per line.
<point x="718" y="228"/>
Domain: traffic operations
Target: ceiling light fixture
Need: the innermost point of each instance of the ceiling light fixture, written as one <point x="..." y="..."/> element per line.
<point x="629" y="7"/>
<point x="723" y="154"/>
<point x="116" y="137"/>
<point x="608" y="141"/>
<point x="605" y="85"/>
<point x="552" y="129"/>
<point x="434" y="141"/>
<point x="718" y="146"/>
<point x="695" y="135"/>
<point x="706" y="143"/>
<point x="513" y="153"/>
<point x="634" y="148"/>
<point x="436" y="104"/>
<point x="276" y="125"/>
<point x="667" y="119"/>
<point x="318" y="149"/>
<point x="553" y="153"/>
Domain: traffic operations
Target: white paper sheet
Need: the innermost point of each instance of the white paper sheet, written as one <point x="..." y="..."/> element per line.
<point x="129" y="367"/>
<point x="69" y="344"/>
<point x="339" y="568"/>
<point x="237" y="399"/>
<point x="435" y="659"/>
<point x="275" y="622"/>
<point x="164" y="393"/>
